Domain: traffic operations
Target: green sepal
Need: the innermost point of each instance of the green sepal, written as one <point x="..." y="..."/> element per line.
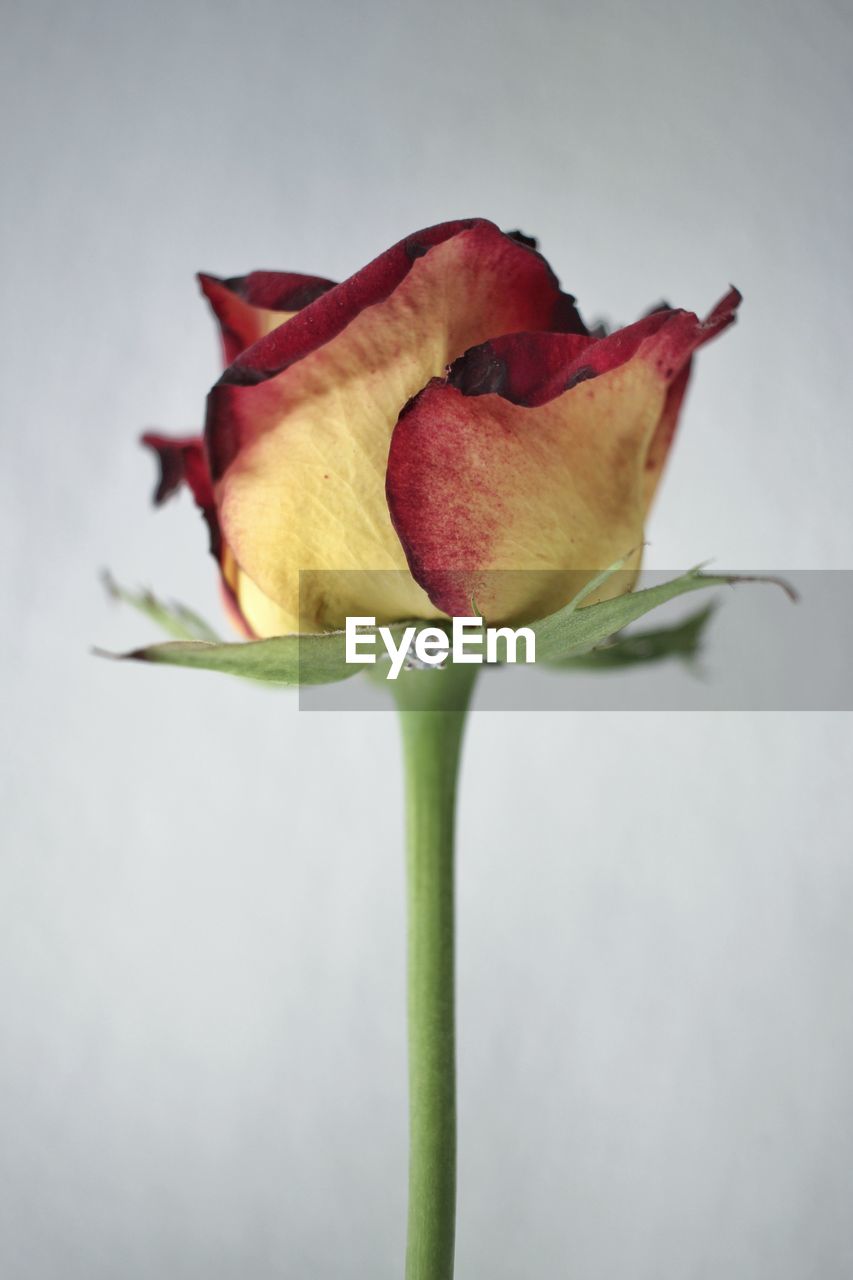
<point x="684" y="640"/>
<point x="572" y="631"/>
<point x="175" y="619"/>
<point x="283" y="660"/>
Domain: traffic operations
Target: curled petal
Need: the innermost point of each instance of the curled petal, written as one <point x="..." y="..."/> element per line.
<point x="722" y="315"/>
<point x="298" y="427"/>
<point x="541" y="466"/>
<point x="182" y="461"/>
<point x="248" y="307"/>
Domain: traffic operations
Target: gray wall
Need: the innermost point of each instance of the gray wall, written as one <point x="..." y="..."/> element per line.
<point x="201" y="951"/>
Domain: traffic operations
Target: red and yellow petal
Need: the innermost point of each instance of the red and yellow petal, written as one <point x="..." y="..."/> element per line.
<point x="298" y="428"/>
<point x="514" y="494"/>
<point x="182" y="461"/>
<point x="249" y="307"/>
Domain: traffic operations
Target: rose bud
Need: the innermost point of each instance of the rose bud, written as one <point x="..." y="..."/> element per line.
<point x="444" y="414"/>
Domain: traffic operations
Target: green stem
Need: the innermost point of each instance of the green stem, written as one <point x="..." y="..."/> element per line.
<point x="433" y="706"/>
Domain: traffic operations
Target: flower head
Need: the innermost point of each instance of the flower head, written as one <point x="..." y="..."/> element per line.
<point x="441" y="418"/>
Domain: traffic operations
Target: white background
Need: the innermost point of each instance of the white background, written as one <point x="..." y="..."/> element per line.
<point x="201" y="952"/>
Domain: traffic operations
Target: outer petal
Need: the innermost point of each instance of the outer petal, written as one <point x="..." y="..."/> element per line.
<point x="298" y="427"/>
<point x="545" y="474"/>
<point x="183" y="462"/>
<point x="248" y="307"/>
<point x="720" y="318"/>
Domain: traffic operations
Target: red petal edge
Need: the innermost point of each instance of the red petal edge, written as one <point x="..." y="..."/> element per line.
<point x="532" y="368"/>
<point x="235" y="301"/>
<point x="326" y="317"/>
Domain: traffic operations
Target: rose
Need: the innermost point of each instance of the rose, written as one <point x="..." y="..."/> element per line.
<point x="442" y="415"/>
